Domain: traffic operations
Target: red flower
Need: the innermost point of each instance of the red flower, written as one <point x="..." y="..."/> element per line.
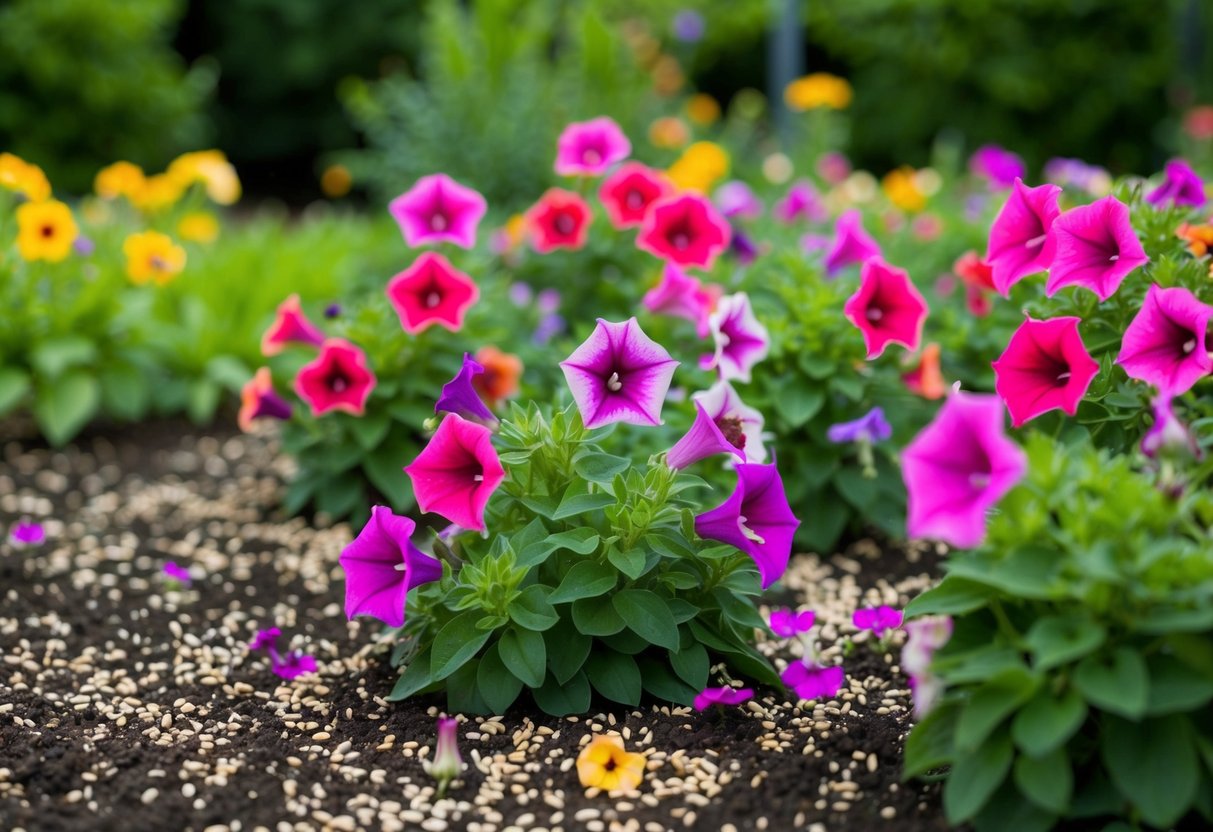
<point x="686" y="230"/>
<point x="628" y="193"/>
<point x="431" y="291"/>
<point x="558" y="220"/>
<point x="336" y="379"/>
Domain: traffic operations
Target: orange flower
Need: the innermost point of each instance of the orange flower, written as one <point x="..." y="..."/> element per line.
<point x="502" y="372"/>
<point x="821" y="89"/>
<point x="702" y="109"/>
<point x="699" y="167"/>
<point x="926" y="379"/>
<point x="1198" y="237"/>
<point x="336" y="181"/>
<point x="605" y="764"/>
<point x="16" y="174"/>
<point x="119" y="179"/>
<point x="669" y="133"/>
<point x="901" y="187"/>
<point x="212" y="169"/>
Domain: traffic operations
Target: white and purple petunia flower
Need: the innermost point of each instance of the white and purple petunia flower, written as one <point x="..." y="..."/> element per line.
<point x="741" y="339"/>
<point x="619" y="374"/>
<point x="741" y="424"/>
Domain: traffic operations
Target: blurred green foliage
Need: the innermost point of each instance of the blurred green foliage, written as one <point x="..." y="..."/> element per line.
<point x="84" y="82"/>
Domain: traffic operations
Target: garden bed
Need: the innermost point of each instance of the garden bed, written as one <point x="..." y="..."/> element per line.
<point x="124" y="703"/>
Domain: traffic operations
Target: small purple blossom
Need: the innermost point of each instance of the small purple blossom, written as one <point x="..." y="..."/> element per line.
<point x="1180" y="186"/>
<point x="1168" y="436"/>
<point x="333" y="310"/>
<point x="704" y="439"/>
<point x="176" y="572"/>
<point x="688" y="26"/>
<point x="998" y="166"/>
<point x="459" y="396"/>
<point x="548" y="328"/>
<point x="789" y="624"/>
<point x="708" y="697"/>
<point x="266" y="639"/>
<point x="801" y="202"/>
<point x="877" y="620"/>
<point x="736" y="199"/>
<point x="619" y="374"/>
<point x="743" y="248"/>
<point x="26" y="533"/>
<point x="548" y="301"/>
<point x="871" y="427"/>
<point x="520" y="294"/>
<point x="813" y="682"/>
<point x="84" y="246"/>
<point x="438" y="209"/>
<point x="293" y="664"/>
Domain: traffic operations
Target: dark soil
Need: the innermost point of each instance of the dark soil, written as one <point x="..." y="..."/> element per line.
<point x="128" y="705"/>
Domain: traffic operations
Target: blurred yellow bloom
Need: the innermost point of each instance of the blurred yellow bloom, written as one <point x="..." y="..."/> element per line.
<point x="16" y="174"/>
<point x="899" y="186"/>
<point x="821" y="89"/>
<point x="699" y="167"/>
<point x="158" y="192"/>
<point x="45" y="230"/>
<point x="119" y="179"/>
<point x="669" y="133"/>
<point x="212" y="169"/>
<point x="606" y="765"/>
<point x="151" y="255"/>
<point x="667" y="75"/>
<point x="336" y="181"/>
<point x="198" y="227"/>
<point x="702" y="109"/>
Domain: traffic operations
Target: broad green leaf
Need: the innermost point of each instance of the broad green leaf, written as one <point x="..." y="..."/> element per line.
<point x="64" y="406"/>
<point x="692" y="665"/>
<point x="587" y="579"/>
<point x="203" y="400"/>
<point x="582" y="541"/>
<point x="1047" y="781"/>
<point x="930" y="743"/>
<point x="125" y="392"/>
<point x="1176" y="687"/>
<point x="1057" y="640"/>
<point x="582" y="503"/>
<point x="52" y="357"/>
<point x="572" y="697"/>
<point x="14" y="384"/>
<point x="657" y="679"/>
<point x="1027" y="572"/>
<point x="524" y="653"/>
<point x="1154" y="764"/>
<point x="597" y="616"/>
<point x="1008" y="811"/>
<point x="975" y="777"/>
<point x="797" y="403"/>
<point x="1047" y="722"/>
<point x="415" y="677"/>
<point x="567" y="651"/>
<point x="630" y="563"/>
<point x="1118" y="682"/>
<point x="858" y="490"/>
<point x="600" y="467"/>
<point x="615" y="676"/>
<point x="647" y="615"/>
<point x="369" y="430"/>
<point x="990" y="704"/>
<point x="456" y="643"/>
<point x="384" y="467"/>
<point x="953" y="596"/>
<point x="532" y="609"/>
<point x="463" y="691"/>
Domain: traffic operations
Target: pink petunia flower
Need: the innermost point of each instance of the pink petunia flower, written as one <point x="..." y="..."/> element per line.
<point x="740" y="338"/>
<point x="708" y="697"/>
<point x="457" y="472"/>
<point x="789" y="624"/>
<point x="887" y="308"/>
<point x="810" y="681"/>
<point x="290" y="326"/>
<point x="1168" y="436"/>
<point x="851" y="244"/>
<point x="878" y="620"/>
<point x="432" y="291"/>
<point x="736" y="199"/>
<point x="26" y="533"/>
<point x="589" y="148"/>
<point x="1044" y="367"/>
<point x="686" y="230"/>
<point x="682" y="296"/>
<point x="629" y="193"/>
<point x="1095" y="247"/>
<point x="382" y="565"/>
<point x="1164" y="344"/>
<point x="924" y="636"/>
<point x="176" y="572"/>
<point x="619" y="374"/>
<point x="266" y="639"/>
<point x="998" y="166"/>
<point x="957" y="468"/>
<point x="336" y="379"/>
<point x="740" y="423"/>
<point x="559" y="220"/>
<point x="438" y="209"/>
<point x="801" y="202"/>
<point x="1180" y="186"/>
<point x="259" y="400"/>
<point x="292" y="665"/>
<point x="1021" y="241"/>
<point x="756" y="518"/>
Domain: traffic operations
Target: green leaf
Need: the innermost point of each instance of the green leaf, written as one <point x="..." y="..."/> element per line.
<point x="1165" y="621"/>
<point x="648" y="616"/>
<point x="953" y="596"/>
<point x="1154" y="764"/>
<point x="582" y="541"/>
<point x="523" y="652"/>
<point x="858" y="490"/>
<point x="581" y="503"/>
<point x="567" y="652"/>
<point x="369" y="430"/>
<point x="587" y="579"/>
<point x="692" y="665"/>
<point x="384" y="467"/>
<point x="572" y="697"/>
<point x="532" y="609"/>
<point x="975" y="777"/>
<point x="990" y="704"/>
<point x="1176" y="687"/>
<point x="14" y="384"/>
<point x="52" y="357"/>
<point x="463" y="691"/>
<point x="125" y="392"/>
<point x="682" y="610"/>
<point x="797" y="403"/>
<point x="1007" y="811"/>
<point x="1057" y="640"/>
<point x="456" y="643"/>
<point x="630" y="563"/>
<point x="228" y="372"/>
<point x="1118" y="682"/>
<point x="600" y="467"/>
<point x="930" y="743"/>
<point x="1028" y="571"/>
<point x="203" y="400"/>
<point x="63" y="407"/>
<point x="597" y="616"/>
<point x="497" y="685"/>
<point x="1047" y="781"/>
<point x="658" y="680"/>
<point x="415" y="677"/>
<point x="978" y="665"/>
<point x="1047" y="722"/>
<point x="615" y="676"/>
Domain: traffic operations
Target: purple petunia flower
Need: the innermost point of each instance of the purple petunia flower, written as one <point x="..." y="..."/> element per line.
<point x="870" y="427"/>
<point x="619" y="374"/>
<point x="801" y="202"/>
<point x="520" y="294"/>
<point x="688" y="26"/>
<point x="548" y="328"/>
<point x="740" y="423"/>
<point x="266" y="639"/>
<point x="704" y="439"/>
<point x="813" y="682"/>
<point x="789" y="624"/>
<point x="756" y="518"/>
<point x="1180" y="186"/>
<point x="26" y="533"/>
<point x="382" y="565"/>
<point x="293" y="665"/>
<point x="590" y="148"/>
<point x="999" y="166"/>
<point x="852" y="244"/>
<point x="333" y="310"/>
<point x="176" y="572"/>
<point x="736" y="199"/>
<point x="877" y="620"/>
<point x="84" y="246"/>
<point x="708" y="697"/>
<point x="1168" y="436"/>
<point x="459" y="396"/>
<point x="923" y="637"/>
<point x="447" y="763"/>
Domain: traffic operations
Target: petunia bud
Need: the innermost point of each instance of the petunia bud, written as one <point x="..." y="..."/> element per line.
<point x="447" y="763"/>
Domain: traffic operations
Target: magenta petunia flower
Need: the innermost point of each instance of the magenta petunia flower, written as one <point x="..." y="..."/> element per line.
<point x="588" y="148"/>
<point x="740" y="423"/>
<point x="877" y="620"/>
<point x="1168" y="436"/>
<point x="293" y="665"/>
<point x="176" y="572"/>
<point x="685" y="229"/>
<point x="736" y="199"/>
<point x="812" y="682"/>
<point x="887" y="308"/>
<point x="999" y="166"/>
<point x="559" y="219"/>
<point x="741" y="339"/>
<point x="1044" y="367"/>
<point x="1095" y="247"/>
<point x="336" y="379"/>
<point x="871" y="427"/>
<point x="266" y="639"/>
<point x="1180" y="186"/>
<point x="26" y="533"/>
<point x="381" y="565"/>
<point x="957" y="468"/>
<point x="788" y="624"/>
<point x="432" y="291"/>
<point x="801" y="202"/>
<point x="459" y="396"/>
<point x="683" y="296"/>
<point x="704" y="439"/>
<point x="619" y="374"/>
<point x="743" y="248"/>
<point x="1021" y="241"/>
<point x="1164" y="344"/>
<point x="258" y="399"/>
<point x="629" y="193"/>
<point x="708" y="697"/>
<point x="290" y="326"/>
<point x="457" y="472"/>
<point x="756" y="519"/>
<point x="437" y="209"/>
<point x="852" y="244"/>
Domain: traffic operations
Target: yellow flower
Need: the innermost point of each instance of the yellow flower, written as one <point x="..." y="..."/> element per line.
<point x="151" y="255"/>
<point x="211" y="168"/>
<point x="821" y="89"/>
<point x="16" y="174"/>
<point x="899" y="186"/>
<point x="45" y="230"/>
<point x="702" y="109"/>
<point x="158" y="192"/>
<point x="699" y="167"/>
<point x="119" y="179"/>
<point x="669" y="133"/>
<point x="198" y="227"/>
<point x="336" y="181"/>
<point x="606" y="765"/>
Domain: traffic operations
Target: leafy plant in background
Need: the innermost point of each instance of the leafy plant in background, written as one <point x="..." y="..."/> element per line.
<point x="1080" y="671"/>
